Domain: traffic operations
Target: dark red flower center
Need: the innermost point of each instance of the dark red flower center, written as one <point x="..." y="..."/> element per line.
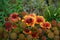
<point x="26" y="30"/>
<point x="8" y="25"/>
<point x="34" y="34"/>
<point x="29" y="20"/>
<point x="14" y="16"/>
<point x="39" y="20"/>
<point x="46" y="24"/>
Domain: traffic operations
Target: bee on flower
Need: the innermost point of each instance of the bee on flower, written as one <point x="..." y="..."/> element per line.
<point x="14" y="17"/>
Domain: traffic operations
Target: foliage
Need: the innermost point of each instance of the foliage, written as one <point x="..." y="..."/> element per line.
<point x="52" y="13"/>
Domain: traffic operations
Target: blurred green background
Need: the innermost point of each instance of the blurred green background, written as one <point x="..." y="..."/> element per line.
<point x="50" y="9"/>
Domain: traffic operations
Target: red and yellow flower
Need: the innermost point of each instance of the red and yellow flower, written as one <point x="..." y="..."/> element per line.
<point x="39" y="19"/>
<point x="45" y="25"/>
<point x="27" y="31"/>
<point x="30" y="21"/>
<point x="14" y="17"/>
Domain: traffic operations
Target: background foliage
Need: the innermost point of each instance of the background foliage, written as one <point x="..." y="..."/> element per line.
<point x="49" y="9"/>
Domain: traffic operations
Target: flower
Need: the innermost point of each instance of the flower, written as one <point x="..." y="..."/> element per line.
<point x="44" y="38"/>
<point x="56" y="32"/>
<point x="30" y="21"/>
<point x="21" y="37"/>
<point x="54" y="23"/>
<point x="27" y="31"/>
<point x="56" y="37"/>
<point x="14" y="26"/>
<point x="29" y="37"/>
<point x="14" y="17"/>
<point x="8" y="26"/>
<point x="13" y="36"/>
<point x="51" y="35"/>
<point x="39" y="19"/>
<point x="35" y="35"/>
<point x="45" y="25"/>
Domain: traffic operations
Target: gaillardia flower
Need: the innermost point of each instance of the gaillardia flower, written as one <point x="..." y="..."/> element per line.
<point x="35" y="35"/>
<point x="39" y="19"/>
<point x="8" y="26"/>
<point x="30" y="21"/>
<point x="27" y="31"/>
<point x="29" y="37"/>
<point x="14" y="17"/>
<point x="51" y="35"/>
<point x="13" y="36"/>
<point x="45" y="25"/>
<point x="21" y="37"/>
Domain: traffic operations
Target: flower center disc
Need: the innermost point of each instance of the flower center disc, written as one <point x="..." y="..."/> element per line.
<point x="14" y="16"/>
<point x="29" y="20"/>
